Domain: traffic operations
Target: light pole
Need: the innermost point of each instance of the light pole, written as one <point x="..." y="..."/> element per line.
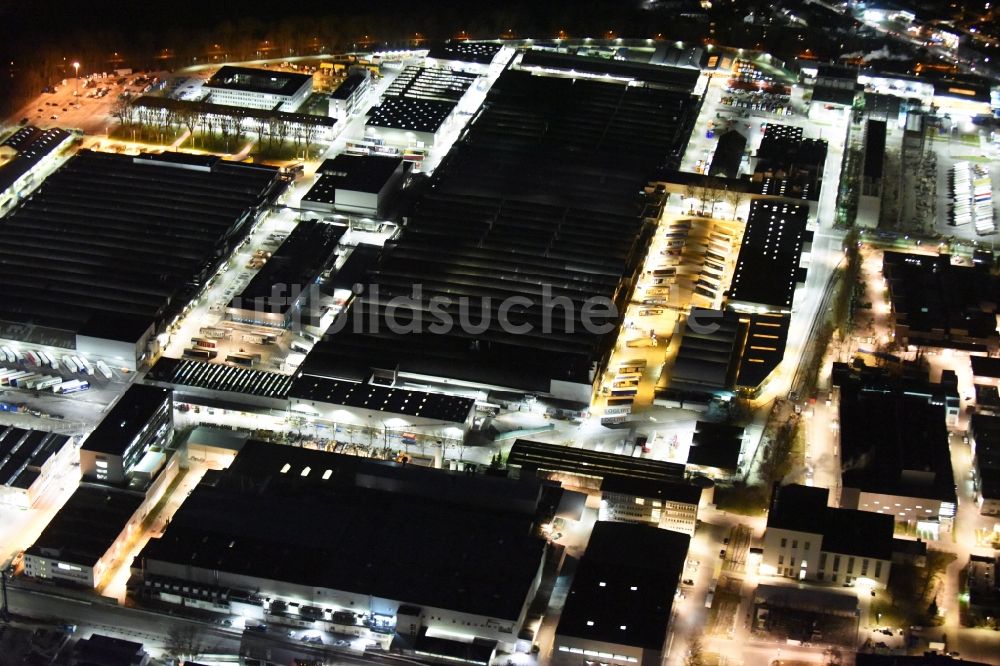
<point x="76" y="84"/>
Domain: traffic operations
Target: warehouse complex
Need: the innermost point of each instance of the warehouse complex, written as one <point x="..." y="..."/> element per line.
<point x="525" y="174"/>
<point x="112" y="247"/>
<point x="258" y="88"/>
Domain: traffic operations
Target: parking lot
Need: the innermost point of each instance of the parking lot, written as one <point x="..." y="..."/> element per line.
<point x="74" y="103"/>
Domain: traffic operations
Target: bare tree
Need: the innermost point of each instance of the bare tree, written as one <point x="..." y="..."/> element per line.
<point x="735" y="199"/>
<point x="185" y="642"/>
<point x="123" y="110"/>
<point x="695" y="655"/>
<point x="308" y="136"/>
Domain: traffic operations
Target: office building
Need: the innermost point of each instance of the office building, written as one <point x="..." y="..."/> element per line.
<point x="669" y="505"/>
<point x="619" y="604"/>
<point x="108" y="651"/>
<point x="789" y="166"/>
<point x="131" y="436"/>
<point x="351" y="97"/>
<point x="894" y="448"/>
<point x="983" y="587"/>
<point x="807" y="540"/>
<point x="258" y="88"/>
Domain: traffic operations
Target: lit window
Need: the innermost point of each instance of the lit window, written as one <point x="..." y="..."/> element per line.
<point x="590" y="623"/>
<point x="284" y="470"/>
<point x="306" y="470"/>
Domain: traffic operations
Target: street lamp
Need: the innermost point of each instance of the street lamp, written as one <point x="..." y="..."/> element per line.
<point x="76" y="85"/>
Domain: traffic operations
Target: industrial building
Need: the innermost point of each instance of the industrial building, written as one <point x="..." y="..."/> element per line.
<point x="938" y="304"/>
<point x="586" y="468"/>
<point x="362" y="185"/>
<point x="466" y="56"/>
<point x="258" y="88"/>
<point x="894" y="447"/>
<point x="281" y="292"/>
<point x="788" y="165"/>
<point x="768" y="267"/>
<point x="251" y="534"/>
<point x="112" y="247"/>
<point x="33" y="149"/>
<point x="524" y="200"/>
<point x="619" y="604"/>
<point x="86" y="536"/>
<point x="870" y="197"/>
<point x="807" y="540"/>
<point x="131" y="438"/>
<point x="717" y="451"/>
<point x="29" y="460"/>
<point x="666" y="504"/>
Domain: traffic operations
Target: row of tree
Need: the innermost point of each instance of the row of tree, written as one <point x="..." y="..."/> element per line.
<point x="272" y="132"/>
<point x="710" y="192"/>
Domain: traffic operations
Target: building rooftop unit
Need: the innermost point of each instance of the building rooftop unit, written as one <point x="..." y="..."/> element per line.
<point x="437" y="406"/>
<point x="480" y="53"/>
<point x="942" y="304"/>
<point x="217" y="377"/>
<point x="538" y="456"/>
<point x="788" y="165"/>
<point x="894" y="437"/>
<point x="111" y="245"/>
<point x="767" y="268"/>
<point x="257" y="520"/>
<point x="87" y="525"/>
<point x="410" y="113"/>
<point x="985" y="366"/>
<point x="623" y="590"/>
<point x="430" y="83"/>
<point x="249" y="79"/>
<point x="984" y="431"/>
<point x="844" y="531"/>
<point x="306" y="253"/>
<point x="24" y="452"/>
<point x="126" y="419"/>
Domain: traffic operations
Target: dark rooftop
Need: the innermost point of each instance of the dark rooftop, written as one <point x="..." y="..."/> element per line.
<point x="24" y="452"/>
<point x="767" y="268"/>
<point x="307" y="252"/>
<point x="349" y="85"/>
<point x="126" y="419"/>
<point x="728" y="154"/>
<point x="708" y="353"/>
<point x="258" y="80"/>
<point x="624" y="587"/>
<point x="481" y="53"/>
<point x="894" y="438"/>
<point x="410" y="113"/>
<point x="874" y="149"/>
<point x="32" y="146"/>
<point x="437" y="406"/>
<point x="716" y="445"/>
<point x="87" y="525"/>
<point x="844" y="531"/>
<point x="764" y="348"/>
<point x="112" y="238"/>
<point x="366" y="173"/>
<point x="667" y="491"/>
<point x="677" y="78"/>
<point x="539" y="456"/>
<point x="985" y="366"/>
<point x="254" y="520"/>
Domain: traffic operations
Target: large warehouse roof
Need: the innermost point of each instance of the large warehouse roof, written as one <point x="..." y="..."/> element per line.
<point x="481" y="53"/>
<point x="254" y="80"/>
<point x="526" y="202"/>
<point x="410" y="113"/>
<point x="111" y="242"/>
<point x="323" y="531"/>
